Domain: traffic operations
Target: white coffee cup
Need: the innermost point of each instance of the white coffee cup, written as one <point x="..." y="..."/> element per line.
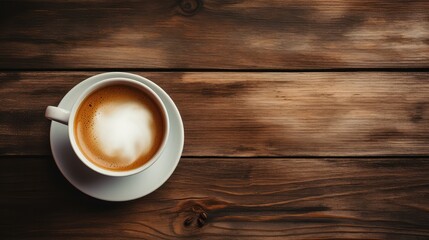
<point x="68" y="118"/>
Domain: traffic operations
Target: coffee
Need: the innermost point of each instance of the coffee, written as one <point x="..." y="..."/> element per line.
<point x="119" y="127"/>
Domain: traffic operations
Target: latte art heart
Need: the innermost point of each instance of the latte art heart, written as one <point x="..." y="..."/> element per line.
<point x="123" y="131"/>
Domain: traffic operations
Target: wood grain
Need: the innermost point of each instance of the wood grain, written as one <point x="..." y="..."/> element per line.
<point x="214" y="34"/>
<point x="248" y="198"/>
<point x="251" y="114"/>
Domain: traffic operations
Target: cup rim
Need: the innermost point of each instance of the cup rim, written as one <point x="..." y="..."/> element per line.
<point x="118" y="81"/>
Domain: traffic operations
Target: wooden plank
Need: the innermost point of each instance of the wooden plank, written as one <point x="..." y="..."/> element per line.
<point x="251" y="114"/>
<point x="248" y="198"/>
<point x="214" y="34"/>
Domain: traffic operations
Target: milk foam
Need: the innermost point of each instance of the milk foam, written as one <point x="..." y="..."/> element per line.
<point x="123" y="130"/>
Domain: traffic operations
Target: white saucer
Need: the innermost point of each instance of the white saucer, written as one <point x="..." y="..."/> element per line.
<point x="117" y="188"/>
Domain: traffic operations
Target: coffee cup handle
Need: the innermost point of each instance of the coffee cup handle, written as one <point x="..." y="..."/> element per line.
<point x="57" y="114"/>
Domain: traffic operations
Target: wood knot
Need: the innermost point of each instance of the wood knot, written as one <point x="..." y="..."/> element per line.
<point x="190" y="7"/>
<point x="198" y="218"/>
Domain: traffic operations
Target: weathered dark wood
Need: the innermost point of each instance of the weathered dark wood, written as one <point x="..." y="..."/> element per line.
<point x="228" y="198"/>
<point x="214" y="34"/>
<point x="251" y="114"/>
<point x="229" y="114"/>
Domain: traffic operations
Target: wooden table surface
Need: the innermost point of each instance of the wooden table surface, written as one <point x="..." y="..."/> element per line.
<point x="303" y="119"/>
